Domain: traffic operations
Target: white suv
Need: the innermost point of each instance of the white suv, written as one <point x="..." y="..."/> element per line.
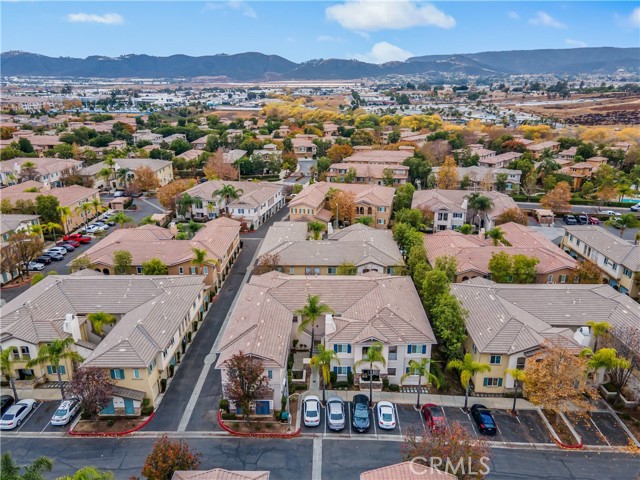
<point x="65" y="412"/>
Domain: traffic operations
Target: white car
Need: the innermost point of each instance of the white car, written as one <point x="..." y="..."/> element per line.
<point x="65" y="412"/>
<point x="611" y="212"/>
<point x="94" y="229"/>
<point x="35" y="266"/>
<point x="61" y="250"/>
<point x="311" y="410"/>
<point x="386" y="415"/>
<point x="118" y="194"/>
<point x="16" y="414"/>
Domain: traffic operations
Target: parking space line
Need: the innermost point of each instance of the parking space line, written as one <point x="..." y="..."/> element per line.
<point x="395" y="406"/>
<point x="326" y="419"/>
<point x="348" y="425"/>
<point x="599" y="431"/>
<point x="28" y="417"/>
<point x="424" y="425"/>
<point x="374" y="421"/>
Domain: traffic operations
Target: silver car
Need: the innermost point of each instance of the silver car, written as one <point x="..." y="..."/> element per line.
<point x="335" y="413"/>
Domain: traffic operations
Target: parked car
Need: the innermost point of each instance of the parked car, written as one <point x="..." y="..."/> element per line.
<point x="434" y="418"/>
<point x="94" y="229"/>
<point x="360" y="420"/>
<point x="594" y="221"/>
<point x="583" y="219"/>
<point x="60" y="250"/>
<point x="16" y="414"/>
<point x="57" y="256"/>
<point x="635" y="208"/>
<point x="35" y="266"/>
<point x="119" y="193"/>
<point x="335" y="413"/>
<point x="44" y="259"/>
<point x="73" y="243"/>
<point x="311" y="409"/>
<point x="102" y="224"/>
<point x="5" y="402"/>
<point x="76" y="237"/>
<point x="65" y="412"/>
<point x="483" y="418"/>
<point x="570" y="220"/>
<point x="68" y="247"/>
<point x="610" y="212"/>
<point x="386" y="415"/>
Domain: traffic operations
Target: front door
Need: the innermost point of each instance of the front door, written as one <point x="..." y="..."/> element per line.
<point x="262" y="407"/>
<point x="128" y="407"/>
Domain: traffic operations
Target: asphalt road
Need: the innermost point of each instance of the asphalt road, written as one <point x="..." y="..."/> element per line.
<point x="292" y="459"/>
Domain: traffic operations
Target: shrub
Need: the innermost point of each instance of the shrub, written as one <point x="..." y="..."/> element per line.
<point x="339" y="385"/>
<point x="85" y="416"/>
<point x="171" y="370"/>
<point x="276" y="414"/>
<point x="257" y="427"/>
<point x="189" y="336"/>
<point x="350" y="377"/>
<point x="228" y="416"/>
<point x="223" y="404"/>
<point x="195" y="325"/>
<point x="333" y="377"/>
<point x="163" y="385"/>
<point x="268" y="425"/>
<point x="178" y="355"/>
<point x="111" y="421"/>
<point x="145" y="402"/>
<point x="146" y="410"/>
<point x="236" y="425"/>
<point x="394" y="387"/>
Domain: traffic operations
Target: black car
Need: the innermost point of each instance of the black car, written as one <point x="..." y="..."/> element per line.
<point x="44" y="259"/>
<point x="67" y="247"/>
<point x="5" y="402"/>
<point x="570" y="220"/>
<point x="360" y="418"/>
<point x="483" y="418"/>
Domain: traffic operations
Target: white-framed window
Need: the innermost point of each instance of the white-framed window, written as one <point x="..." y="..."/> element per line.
<point x="205" y="270"/>
<point x="270" y="374"/>
<point x="180" y="270"/>
<point x="627" y="272"/>
<point x="136" y="374"/>
<point x="117" y="374"/>
<point x="193" y="270"/>
<point x="443" y="216"/>
<point x="381" y="221"/>
<point x="139" y="270"/>
<point x="342" y="348"/>
<point x="492" y="382"/>
<point x="457" y="215"/>
<point x="391" y="371"/>
<point x="550" y="278"/>
<point x="332" y="270"/>
<point x="382" y="209"/>
<point x="312" y="270"/>
<point x="563" y="279"/>
<point x="495" y="359"/>
<point x="393" y="352"/>
<point x="341" y="370"/>
<point x="292" y="270"/>
<point x="413" y="349"/>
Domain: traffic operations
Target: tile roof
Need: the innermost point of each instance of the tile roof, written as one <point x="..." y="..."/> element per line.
<point x="65" y="195"/>
<point x="44" y="165"/>
<point x="220" y="474"/>
<point x="130" y="163"/>
<point x="369" y="170"/>
<point x="379" y="156"/>
<point x="455" y="201"/>
<point x="253" y="194"/>
<point x="375" y="195"/>
<point x="612" y="246"/>
<point x="9" y="222"/>
<point x="406" y="471"/>
<point x="281" y="232"/>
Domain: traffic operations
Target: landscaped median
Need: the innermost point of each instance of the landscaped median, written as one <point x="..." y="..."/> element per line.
<point x="253" y="428"/>
<point x="108" y="427"/>
<point x="561" y="431"/>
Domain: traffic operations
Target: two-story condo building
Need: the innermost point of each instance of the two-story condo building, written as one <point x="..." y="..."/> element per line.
<point x="163" y="170"/>
<point x="485" y="178"/>
<point x="374" y="174"/>
<point x="10" y="224"/>
<point x="47" y="170"/>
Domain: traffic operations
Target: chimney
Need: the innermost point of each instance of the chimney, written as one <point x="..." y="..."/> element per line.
<point x="583" y="336"/>
<point x="72" y="326"/>
<point x="329" y="324"/>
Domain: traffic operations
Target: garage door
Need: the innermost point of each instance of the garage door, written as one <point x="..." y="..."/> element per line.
<point x="128" y="407"/>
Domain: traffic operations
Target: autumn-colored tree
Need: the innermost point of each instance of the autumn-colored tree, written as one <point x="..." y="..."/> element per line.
<point x="625" y="339"/>
<point x="342" y="205"/>
<point x="145" y="179"/>
<point x="448" y="175"/>
<point x="588" y="273"/>
<point x="216" y="168"/>
<point x="246" y="381"/>
<point x="452" y="450"/>
<point x="513" y="215"/>
<point x="337" y="152"/>
<point x="93" y="387"/>
<point x="267" y="263"/>
<point x="21" y="249"/>
<point x="557" y="200"/>
<point x="169" y="456"/>
<point x="168" y="194"/>
<point x="556" y="380"/>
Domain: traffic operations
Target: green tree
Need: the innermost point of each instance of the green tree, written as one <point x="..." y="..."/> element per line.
<point x="64" y="213"/>
<point x="322" y="360"/>
<point x="403" y="197"/>
<point x="228" y="192"/>
<point x="309" y="313"/>
<point x="10" y="471"/>
<point x="99" y="319"/>
<point x="155" y="266"/>
<point x="422" y="368"/>
<point x="47" y="208"/>
<point x="406" y="236"/>
<point x="25" y="146"/>
<point x="467" y="368"/>
<point x="52" y="227"/>
<point x="6" y="368"/>
<point x="80" y="263"/>
<point x="368" y="221"/>
<point x="200" y="258"/>
<point x="350" y="176"/>
<point x="410" y="216"/>
<point x="628" y="220"/>
<point x="84" y="209"/>
<point x="97" y="205"/>
<point x="497" y="237"/>
<point x="436" y="282"/>
<point x="524" y="268"/>
<point x="448" y="318"/>
<point x="448" y="264"/>
<point x="316" y="229"/>
<point x="466" y="229"/>
<point x="501" y="267"/>
<point x="89" y="473"/>
<point x="387" y="177"/>
<point x="519" y="377"/>
<point x="122" y="260"/>
<point x="53" y="354"/>
<point x="480" y="204"/>
<point x="598" y="329"/>
<point x="347" y="268"/>
<point x="121" y="218"/>
<point x="373" y="356"/>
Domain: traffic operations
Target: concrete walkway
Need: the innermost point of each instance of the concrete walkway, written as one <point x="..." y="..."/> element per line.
<point x="442" y="400"/>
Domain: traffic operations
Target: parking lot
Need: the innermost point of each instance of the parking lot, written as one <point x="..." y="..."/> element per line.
<point x="600" y="429"/>
<point x="38" y="420"/>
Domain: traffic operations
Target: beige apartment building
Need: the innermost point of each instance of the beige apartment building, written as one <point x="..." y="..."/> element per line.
<point x="163" y="170"/>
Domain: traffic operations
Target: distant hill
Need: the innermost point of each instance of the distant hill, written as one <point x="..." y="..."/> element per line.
<point x="258" y="66"/>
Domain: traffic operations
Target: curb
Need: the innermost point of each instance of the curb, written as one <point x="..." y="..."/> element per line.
<point x="255" y="435"/>
<point x="10" y="287"/>
<point x="112" y="434"/>
<point x="554" y="435"/>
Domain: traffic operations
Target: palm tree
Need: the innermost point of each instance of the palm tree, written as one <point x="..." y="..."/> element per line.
<point x="121" y="218"/>
<point x="6" y="367"/>
<point x="89" y="473"/>
<point x="11" y="471"/>
<point x="200" y="258"/>
<point x="422" y="368"/>
<point x="547" y="165"/>
<point x="65" y="214"/>
<point x="148" y="220"/>
<point x="310" y="313"/>
<point x="106" y="174"/>
<point x="467" y="368"/>
<point x="603" y="360"/>
<point x="323" y="360"/>
<point x="97" y="205"/>
<point x="628" y="220"/>
<point x="228" y="192"/>
<point x="184" y="203"/>
<point x="123" y="175"/>
<point x="99" y="319"/>
<point x="28" y="170"/>
<point x="497" y="236"/>
<point x="518" y="376"/>
<point x="479" y="203"/>
<point x="374" y="355"/>
<point x="84" y="209"/>
<point x="51" y="227"/>
<point x="316" y="229"/>
<point x="53" y="353"/>
<point x="598" y="329"/>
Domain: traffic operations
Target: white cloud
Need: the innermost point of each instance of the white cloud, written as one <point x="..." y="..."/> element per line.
<point x="107" y="18"/>
<point x="327" y="38"/>
<point x="575" y="43"/>
<point x="365" y="15"/>
<point x="383" y="52"/>
<point x="239" y="5"/>
<point x="513" y="15"/>
<point x="634" y="18"/>
<point x="543" y="19"/>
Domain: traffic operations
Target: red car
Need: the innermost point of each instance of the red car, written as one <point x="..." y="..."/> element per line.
<point x="594" y="221"/>
<point x="73" y="243"/>
<point x="434" y="417"/>
<point x="76" y="237"/>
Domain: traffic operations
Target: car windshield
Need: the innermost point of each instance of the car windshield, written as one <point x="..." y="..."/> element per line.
<point x="361" y="411"/>
<point x="486" y="419"/>
<point x="336" y="416"/>
<point x="7" y="416"/>
<point x="387" y="417"/>
<point x="61" y="412"/>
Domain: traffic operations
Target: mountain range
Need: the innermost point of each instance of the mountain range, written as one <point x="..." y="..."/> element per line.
<point x="253" y="66"/>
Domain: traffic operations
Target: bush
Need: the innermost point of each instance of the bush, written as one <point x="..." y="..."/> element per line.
<point x="394" y="387"/>
<point x="195" y="325"/>
<point x="257" y="427"/>
<point x="85" y="416"/>
<point x="333" y="377"/>
<point x="111" y="421"/>
<point x="299" y="387"/>
<point x="189" y="337"/>
<point x="385" y="384"/>
<point x="268" y="425"/>
<point x="146" y="410"/>
<point x="340" y="385"/>
<point x="163" y="385"/>
<point x="276" y="414"/>
<point x="171" y="370"/>
<point x="228" y="416"/>
<point x="236" y="425"/>
<point x="350" y="377"/>
<point x="146" y="402"/>
<point x="223" y="404"/>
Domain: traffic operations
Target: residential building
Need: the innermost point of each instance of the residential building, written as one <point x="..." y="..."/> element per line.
<point x="538" y="148"/>
<point x="508" y="323"/>
<point x="407" y="471"/>
<point x="47" y="170"/>
<point x="617" y="259"/>
<point x="484" y="178"/>
<point x="72" y="197"/>
<point x="384" y="157"/>
<point x="147" y="136"/>
<point x="368" y="249"/>
<point x="303" y="147"/>
<point x="474" y="253"/>
<point x="579" y="172"/>
<point x="371" y="201"/>
<point x="499" y="161"/>
<point x="162" y="168"/>
<point x="200" y="143"/>
<point x="219" y="238"/>
<point x="190" y="155"/>
<point x="232" y="156"/>
<point x="154" y="316"/>
<point x="450" y="208"/>
<point x="220" y="474"/>
<point x="476" y="149"/>
<point x="11" y="224"/>
<point x="257" y="201"/>
<point x="568" y="154"/>
<point x="368" y="308"/>
<point x="373" y="174"/>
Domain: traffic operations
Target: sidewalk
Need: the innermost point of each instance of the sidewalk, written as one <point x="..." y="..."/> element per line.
<point x="442" y="400"/>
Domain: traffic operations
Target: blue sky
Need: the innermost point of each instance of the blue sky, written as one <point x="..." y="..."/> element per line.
<point x="374" y="31"/>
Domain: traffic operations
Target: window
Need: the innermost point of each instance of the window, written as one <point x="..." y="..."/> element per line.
<point x="495" y="359"/>
<point x="443" y="216"/>
<point x="520" y="363"/>
<point x="52" y="370"/>
<point x="193" y="270"/>
<point x="474" y="348"/>
<point x="180" y="270"/>
<point x="312" y="271"/>
<point x="136" y="374"/>
<point x="550" y="278"/>
<point x="382" y="209"/>
<point x="457" y="215"/>
<point x="563" y="279"/>
<point x="205" y="270"/>
<point x="292" y="270"/>
<point x="416" y="349"/>
<point x="241" y="211"/>
<point x="576" y="279"/>
<point x="381" y="221"/>
<point x="151" y="366"/>
<point x="627" y="272"/>
<point x="117" y="374"/>
<point x="139" y="270"/>
<point x="270" y="374"/>
<point x="492" y="382"/>
<point x="342" y="370"/>
<point x="391" y="372"/>
<point x="332" y="270"/>
<point x="614" y="267"/>
<point x="342" y="348"/>
<point x="24" y="351"/>
<point x="393" y="353"/>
